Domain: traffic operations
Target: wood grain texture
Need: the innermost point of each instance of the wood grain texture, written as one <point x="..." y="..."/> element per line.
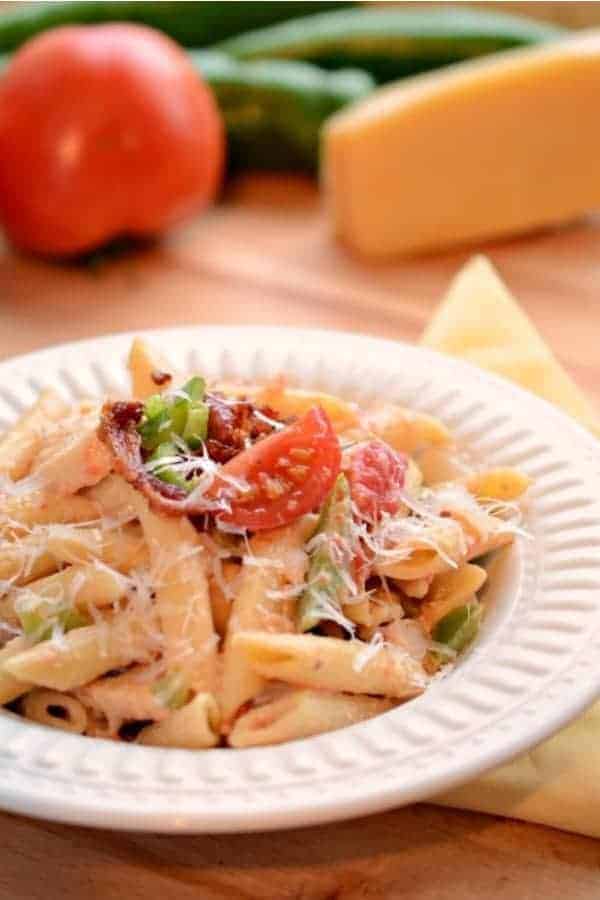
<point x="265" y="256"/>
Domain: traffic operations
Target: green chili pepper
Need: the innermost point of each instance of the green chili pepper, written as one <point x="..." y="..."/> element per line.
<point x="329" y="560"/>
<point x="387" y="42"/>
<point x="194" y="24"/>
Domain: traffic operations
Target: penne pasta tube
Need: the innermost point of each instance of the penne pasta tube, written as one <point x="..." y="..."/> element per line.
<point x="194" y="726"/>
<point x="114" y="498"/>
<point x="19" y="445"/>
<point x="450" y="590"/>
<point x="81" y="656"/>
<point x="78" y="460"/>
<point x="56" y="710"/>
<point x="11" y="687"/>
<point x="254" y="609"/>
<point x="124" y="697"/>
<point x="182" y="598"/>
<point x="330" y="664"/>
<point x="289" y="401"/>
<point x="79" y="585"/>
<point x="406" y="430"/>
<point x="24" y="561"/>
<point x="300" y="714"/>
<point x="21" y="513"/>
<point x="220" y="603"/>
<point x="420" y="564"/>
<point x="359" y="613"/>
<point x="71" y="543"/>
<point x="503" y="484"/>
<point x="296" y="401"/>
<point x="148" y="370"/>
<point x="124" y="548"/>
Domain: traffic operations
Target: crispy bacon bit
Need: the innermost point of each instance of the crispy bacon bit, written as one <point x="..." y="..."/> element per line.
<point x="119" y="432"/>
<point x="160" y="378"/>
<point x="234" y="424"/>
<point x="126" y="414"/>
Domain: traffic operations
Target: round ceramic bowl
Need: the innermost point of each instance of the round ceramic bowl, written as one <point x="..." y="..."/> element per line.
<point x="530" y="671"/>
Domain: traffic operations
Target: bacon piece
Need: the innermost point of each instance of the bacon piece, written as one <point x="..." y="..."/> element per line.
<point x="118" y="430"/>
<point x="232" y="424"/>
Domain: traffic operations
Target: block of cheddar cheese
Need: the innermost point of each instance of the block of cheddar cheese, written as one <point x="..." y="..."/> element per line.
<point x="478" y="150"/>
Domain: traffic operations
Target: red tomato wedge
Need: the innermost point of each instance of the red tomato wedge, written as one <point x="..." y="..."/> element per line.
<point x="287" y="474"/>
<point x="376" y="475"/>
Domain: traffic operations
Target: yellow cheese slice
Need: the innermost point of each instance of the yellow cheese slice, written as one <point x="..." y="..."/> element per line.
<point x="480" y="321"/>
<point x="486" y="148"/>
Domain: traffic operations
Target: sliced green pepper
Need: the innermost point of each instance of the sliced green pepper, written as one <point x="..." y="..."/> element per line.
<point x="183" y="415"/>
<point x="171" y="691"/>
<point x="196" y="427"/>
<point x="166" y="472"/>
<point x="458" y="627"/>
<point x="330" y="559"/>
<point x="455" y="631"/>
<point x="39" y="622"/>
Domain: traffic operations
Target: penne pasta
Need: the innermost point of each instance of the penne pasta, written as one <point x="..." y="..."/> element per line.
<point x="148" y="370"/>
<point x="56" y="709"/>
<point x="79" y="586"/>
<point x="82" y="655"/>
<point x="449" y="591"/>
<point x="18" y="514"/>
<point x="24" y="561"/>
<point x="406" y="430"/>
<point x="125" y="697"/>
<point x="114" y="498"/>
<point x="19" y="445"/>
<point x="219" y="602"/>
<point x="253" y="608"/>
<point x="503" y="484"/>
<point x="289" y="401"/>
<point x="182" y="599"/>
<point x="193" y="727"/>
<point x="301" y="714"/>
<point x="11" y="687"/>
<point x="330" y="664"/>
<point x="77" y="460"/>
<point x="124" y="549"/>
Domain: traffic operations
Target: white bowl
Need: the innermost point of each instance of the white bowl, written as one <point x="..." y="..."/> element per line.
<point x="530" y="672"/>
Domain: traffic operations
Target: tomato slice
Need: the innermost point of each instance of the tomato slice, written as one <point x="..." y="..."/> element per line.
<point x="376" y="474"/>
<point x="282" y="476"/>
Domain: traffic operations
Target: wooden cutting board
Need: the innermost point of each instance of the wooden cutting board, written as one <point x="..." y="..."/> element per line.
<point x="266" y="256"/>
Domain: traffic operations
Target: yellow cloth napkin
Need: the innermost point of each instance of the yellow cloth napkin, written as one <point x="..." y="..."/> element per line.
<point x="557" y="783"/>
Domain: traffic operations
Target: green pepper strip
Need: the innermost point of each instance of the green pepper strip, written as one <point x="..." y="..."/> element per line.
<point x="326" y="567"/>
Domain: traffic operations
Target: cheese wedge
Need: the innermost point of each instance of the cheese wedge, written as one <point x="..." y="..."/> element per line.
<point x="475" y="151"/>
<point x="480" y="321"/>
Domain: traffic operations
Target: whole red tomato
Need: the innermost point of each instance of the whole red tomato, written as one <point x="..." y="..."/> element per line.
<point x="105" y="130"/>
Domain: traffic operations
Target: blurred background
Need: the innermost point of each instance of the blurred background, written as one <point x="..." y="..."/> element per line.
<point x="115" y="218"/>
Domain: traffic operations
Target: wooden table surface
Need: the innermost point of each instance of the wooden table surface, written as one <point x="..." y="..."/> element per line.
<point x="265" y="256"/>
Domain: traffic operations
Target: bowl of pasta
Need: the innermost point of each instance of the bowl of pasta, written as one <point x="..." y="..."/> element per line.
<point x="255" y="577"/>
